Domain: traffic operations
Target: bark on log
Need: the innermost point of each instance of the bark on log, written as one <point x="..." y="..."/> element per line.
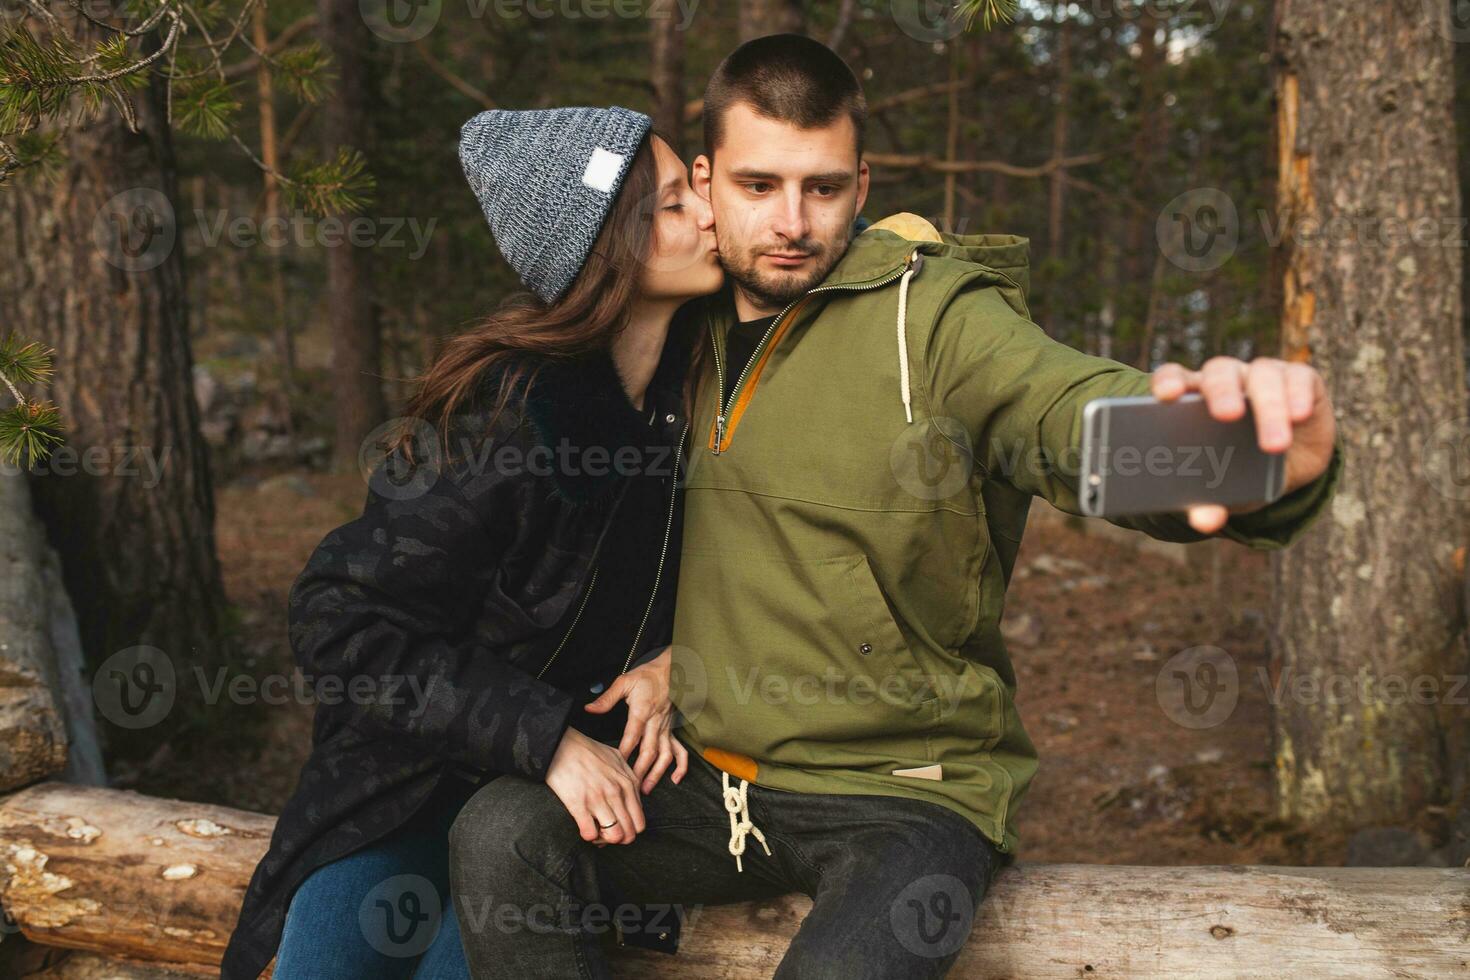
<point x="32" y="722"/>
<point x="125" y="874"/>
<point x="78" y="965"/>
<point x="151" y="879"/>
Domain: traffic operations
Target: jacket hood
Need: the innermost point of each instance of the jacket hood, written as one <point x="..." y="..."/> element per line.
<point x="580" y="403"/>
<point x="878" y="251"/>
<point x="887" y="250"/>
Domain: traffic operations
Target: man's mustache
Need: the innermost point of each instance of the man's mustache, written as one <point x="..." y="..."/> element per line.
<point x="801" y="247"/>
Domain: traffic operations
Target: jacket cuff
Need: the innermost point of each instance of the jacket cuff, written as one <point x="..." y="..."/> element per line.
<point x="538" y="731"/>
<point x="1280" y="523"/>
<point x="651" y="654"/>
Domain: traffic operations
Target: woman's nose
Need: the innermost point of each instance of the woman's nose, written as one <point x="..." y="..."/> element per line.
<point x="704" y="215"/>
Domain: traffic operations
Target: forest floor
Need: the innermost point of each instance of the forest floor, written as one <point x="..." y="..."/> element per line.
<point x="1095" y="621"/>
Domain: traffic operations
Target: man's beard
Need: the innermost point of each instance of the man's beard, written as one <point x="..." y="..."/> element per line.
<point x="776" y="291"/>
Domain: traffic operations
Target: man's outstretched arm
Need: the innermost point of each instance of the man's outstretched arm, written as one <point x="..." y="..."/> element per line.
<point x="1019" y="394"/>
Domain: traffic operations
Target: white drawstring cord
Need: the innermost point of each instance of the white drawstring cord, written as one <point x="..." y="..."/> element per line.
<point x="737" y="805"/>
<point x="903" y="339"/>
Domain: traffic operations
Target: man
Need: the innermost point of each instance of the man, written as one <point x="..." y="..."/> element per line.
<point x="875" y="416"/>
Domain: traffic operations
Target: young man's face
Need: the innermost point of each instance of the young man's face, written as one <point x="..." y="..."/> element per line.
<point x="784" y="200"/>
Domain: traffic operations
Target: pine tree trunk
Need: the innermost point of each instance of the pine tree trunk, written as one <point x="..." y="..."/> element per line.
<point x="761" y="17"/>
<point x="1061" y="109"/>
<point x="271" y="208"/>
<point x="1369" y="598"/>
<point x="1148" y="156"/>
<point x="666" y="43"/>
<point x="95" y="269"/>
<point x="357" y="391"/>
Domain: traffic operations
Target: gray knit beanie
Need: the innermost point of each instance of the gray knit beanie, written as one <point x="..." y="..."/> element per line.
<point x="546" y="180"/>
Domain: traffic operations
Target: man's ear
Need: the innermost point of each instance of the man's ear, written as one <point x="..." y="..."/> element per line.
<point x="862" y="186"/>
<point x="699" y="175"/>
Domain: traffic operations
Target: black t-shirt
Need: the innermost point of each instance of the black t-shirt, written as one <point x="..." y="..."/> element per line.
<point x="740" y="343"/>
<point x="627" y="565"/>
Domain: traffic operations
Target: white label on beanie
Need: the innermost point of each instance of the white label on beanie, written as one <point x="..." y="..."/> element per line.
<point x="602" y="170"/>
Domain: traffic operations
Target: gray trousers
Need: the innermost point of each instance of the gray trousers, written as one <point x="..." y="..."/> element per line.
<point x="894" y="882"/>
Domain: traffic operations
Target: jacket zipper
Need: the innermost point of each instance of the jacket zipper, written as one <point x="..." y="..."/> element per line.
<point x="568" y="634"/>
<point x="723" y="405"/>
<point x="663" y="552"/>
<point x="658" y="576"/>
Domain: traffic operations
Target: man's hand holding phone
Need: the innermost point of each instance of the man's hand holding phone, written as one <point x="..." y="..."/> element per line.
<point x="1291" y="407"/>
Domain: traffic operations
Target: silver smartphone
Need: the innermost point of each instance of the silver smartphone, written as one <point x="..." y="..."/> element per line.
<point x="1144" y="456"/>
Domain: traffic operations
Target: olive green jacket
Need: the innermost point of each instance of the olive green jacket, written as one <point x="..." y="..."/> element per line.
<point x="844" y="569"/>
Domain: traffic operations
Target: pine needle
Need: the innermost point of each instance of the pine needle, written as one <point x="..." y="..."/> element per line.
<point x="989" y="11"/>
<point x="28" y="431"/>
<point x="25" y="363"/>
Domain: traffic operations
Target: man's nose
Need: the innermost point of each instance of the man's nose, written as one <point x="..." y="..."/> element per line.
<point x="704" y="215"/>
<point x="791" y="221"/>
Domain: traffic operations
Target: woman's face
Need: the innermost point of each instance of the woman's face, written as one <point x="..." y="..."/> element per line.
<point x="682" y="259"/>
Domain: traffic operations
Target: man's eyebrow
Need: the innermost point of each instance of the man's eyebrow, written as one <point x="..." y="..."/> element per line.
<point x="832" y="177"/>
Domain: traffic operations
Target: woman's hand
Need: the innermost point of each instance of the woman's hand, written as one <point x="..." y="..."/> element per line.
<point x="596" y="786"/>
<point x="650" y="720"/>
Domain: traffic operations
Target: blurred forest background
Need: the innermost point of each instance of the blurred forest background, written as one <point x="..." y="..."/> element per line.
<point x="267" y="360"/>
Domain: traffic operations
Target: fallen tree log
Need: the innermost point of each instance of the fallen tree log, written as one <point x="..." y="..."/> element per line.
<point x="81" y="965"/>
<point x="125" y="874"/>
<point x="33" y="722"/>
<point x="161" y="880"/>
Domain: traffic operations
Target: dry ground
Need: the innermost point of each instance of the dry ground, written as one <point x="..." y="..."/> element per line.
<point x="1119" y="781"/>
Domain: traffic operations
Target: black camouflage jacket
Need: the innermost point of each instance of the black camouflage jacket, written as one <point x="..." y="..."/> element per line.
<point x="458" y="583"/>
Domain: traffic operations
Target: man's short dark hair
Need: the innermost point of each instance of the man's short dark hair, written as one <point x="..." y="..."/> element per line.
<point x="787" y="77"/>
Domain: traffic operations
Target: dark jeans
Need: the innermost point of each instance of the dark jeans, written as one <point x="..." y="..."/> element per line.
<point x="894" y="882"/>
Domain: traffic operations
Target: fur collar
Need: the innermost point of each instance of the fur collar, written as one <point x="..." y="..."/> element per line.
<point x="580" y="402"/>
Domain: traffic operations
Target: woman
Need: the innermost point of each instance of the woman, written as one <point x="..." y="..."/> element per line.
<point x="514" y="564"/>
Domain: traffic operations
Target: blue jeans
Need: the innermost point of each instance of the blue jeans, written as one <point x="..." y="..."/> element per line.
<point x="383" y="911"/>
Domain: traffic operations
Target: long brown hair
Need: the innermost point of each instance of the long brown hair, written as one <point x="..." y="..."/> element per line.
<point x="588" y="316"/>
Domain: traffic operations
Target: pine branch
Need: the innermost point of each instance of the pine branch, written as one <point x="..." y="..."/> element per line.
<point x="29" y="428"/>
<point x="989" y="11"/>
<point x="32" y="77"/>
<point x="204" y="107"/>
<point x="24" y="364"/>
<point x="42" y="154"/>
<point x="338" y="186"/>
<point x="304" y="70"/>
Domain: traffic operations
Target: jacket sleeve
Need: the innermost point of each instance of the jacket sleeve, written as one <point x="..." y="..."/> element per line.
<point x="390" y="599"/>
<point x="1019" y="395"/>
